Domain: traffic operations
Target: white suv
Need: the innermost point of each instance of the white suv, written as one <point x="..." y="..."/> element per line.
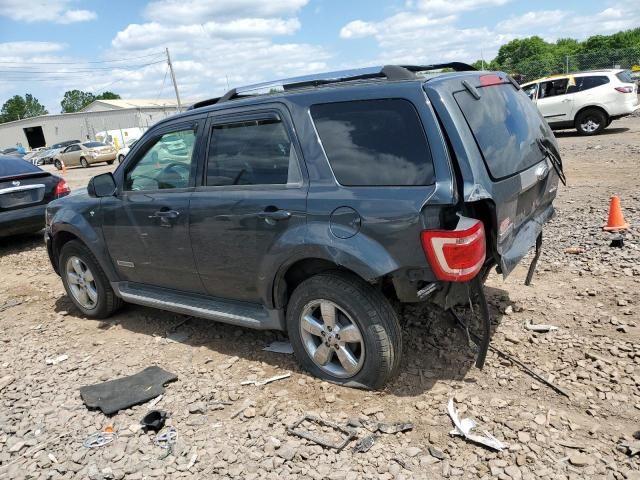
<point x="586" y="101"/>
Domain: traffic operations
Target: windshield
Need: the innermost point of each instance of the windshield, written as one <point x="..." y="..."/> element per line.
<point x="506" y="126"/>
<point x="11" y="166"/>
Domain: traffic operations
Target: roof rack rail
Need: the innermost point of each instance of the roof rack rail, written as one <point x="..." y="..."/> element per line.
<point x="389" y="72"/>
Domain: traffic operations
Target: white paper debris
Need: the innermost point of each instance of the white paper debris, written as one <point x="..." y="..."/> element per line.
<point x="463" y="428"/>
<point x="540" y="328"/>
<point x="56" y="360"/>
<point x="259" y="383"/>
<point x="279" y="347"/>
<point x="154" y="402"/>
<point x="192" y="462"/>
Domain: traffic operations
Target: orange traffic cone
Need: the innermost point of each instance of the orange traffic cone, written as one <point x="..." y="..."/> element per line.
<point x="616" y="219"/>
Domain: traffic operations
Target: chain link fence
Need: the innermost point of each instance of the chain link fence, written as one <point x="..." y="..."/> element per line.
<point x="537" y="67"/>
<point x="627" y="58"/>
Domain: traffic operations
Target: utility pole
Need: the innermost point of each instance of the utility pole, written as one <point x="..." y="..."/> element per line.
<point x="173" y="78"/>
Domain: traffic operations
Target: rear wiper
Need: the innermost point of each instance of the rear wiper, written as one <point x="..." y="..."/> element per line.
<point x="554" y="159"/>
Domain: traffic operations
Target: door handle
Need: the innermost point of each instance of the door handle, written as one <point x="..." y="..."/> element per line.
<point x="275" y="216"/>
<point x="166" y="214"/>
<point x="566" y="100"/>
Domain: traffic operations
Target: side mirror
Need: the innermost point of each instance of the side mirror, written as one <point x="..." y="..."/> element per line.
<point x="103" y="185"/>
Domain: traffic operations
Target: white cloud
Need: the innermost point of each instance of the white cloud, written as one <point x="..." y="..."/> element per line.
<point x="433" y="7"/>
<point x="553" y="24"/>
<point x="10" y="50"/>
<point x="199" y="11"/>
<point x="358" y="29"/>
<point x="32" y="11"/>
<point x="212" y="41"/>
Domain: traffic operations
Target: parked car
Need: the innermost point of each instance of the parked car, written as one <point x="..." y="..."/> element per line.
<point x="39" y="156"/>
<point x="85" y="154"/>
<point x="586" y="101"/>
<point x="25" y="191"/>
<point x="55" y="149"/>
<point x="125" y="150"/>
<point x="318" y="210"/>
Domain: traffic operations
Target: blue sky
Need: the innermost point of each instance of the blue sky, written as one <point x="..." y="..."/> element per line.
<point x="46" y="44"/>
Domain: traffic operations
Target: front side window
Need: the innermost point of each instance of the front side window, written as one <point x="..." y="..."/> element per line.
<point x="374" y="142"/>
<point x="553" y="88"/>
<point x="530" y="90"/>
<point x="254" y="152"/>
<point x="165" y="165"/>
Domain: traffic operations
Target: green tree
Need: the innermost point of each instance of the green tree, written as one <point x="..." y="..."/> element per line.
<point x="108" y="96"/>
<point x="75" y="100"/>
<point x="18" y="107"/>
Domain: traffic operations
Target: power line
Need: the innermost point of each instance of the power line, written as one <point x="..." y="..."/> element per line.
<point x="88" y="62"/>
<point x="166" y="71"/>
<point x="97" y="69"/>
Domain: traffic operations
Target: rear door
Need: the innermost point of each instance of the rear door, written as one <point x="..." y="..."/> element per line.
<point x="496" y="134"/>
<point x="252" y="199"/>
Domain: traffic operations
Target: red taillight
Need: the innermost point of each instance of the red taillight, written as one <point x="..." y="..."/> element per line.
<point x="456" y="255"/>
<point x="624" y="89"/>
<point x="490" y="79"/>
<point x="61" y="189"/>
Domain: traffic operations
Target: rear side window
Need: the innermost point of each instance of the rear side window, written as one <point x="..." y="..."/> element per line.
<point x="625" y="76"/>
<point x="374" y="142"/>
<point x="505" y="124"/>
<point x="586" y="83"/>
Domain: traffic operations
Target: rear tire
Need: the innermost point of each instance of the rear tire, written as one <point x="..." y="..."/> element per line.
<point x="84" y="163"/>
<point x="591" y="121"/>
<point x="368" y="353"/>
<point x="110" y="162"/>
<point x="85" y="282"/>
<point x="57" y="164"/>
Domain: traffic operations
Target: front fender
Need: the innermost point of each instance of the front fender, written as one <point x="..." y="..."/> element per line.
<point x="77" y="224"/>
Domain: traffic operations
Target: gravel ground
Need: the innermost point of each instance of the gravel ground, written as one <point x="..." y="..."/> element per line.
<point x="229" y="430"/>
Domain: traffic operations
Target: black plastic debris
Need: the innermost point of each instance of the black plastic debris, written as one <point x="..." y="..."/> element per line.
<point x="116" y="395"/>
<point x="154" y="420"/>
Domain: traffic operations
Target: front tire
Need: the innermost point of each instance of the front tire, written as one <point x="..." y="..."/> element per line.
<point x="84" y="163"/>
<point x="57" y="164"/>
<point x="344" y="331"/>
<point x="591" y="122"/>
<point x="120" y="158"/>
<point x="85" y="282"/>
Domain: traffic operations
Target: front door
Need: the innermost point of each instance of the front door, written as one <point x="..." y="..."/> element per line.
<point x="252" y="202"/>
<point x="555" y="100"/>
<point x="71" y="155"/>
<point x="146" y="226"/>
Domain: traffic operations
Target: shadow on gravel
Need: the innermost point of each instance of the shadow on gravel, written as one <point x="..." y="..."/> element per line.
<point x="20" y="243"/>
<point x="435" y="348"/>
<point x="574" y="133"/>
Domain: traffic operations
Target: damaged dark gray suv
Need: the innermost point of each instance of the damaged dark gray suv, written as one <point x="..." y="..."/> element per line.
<point x="317" y="205"/>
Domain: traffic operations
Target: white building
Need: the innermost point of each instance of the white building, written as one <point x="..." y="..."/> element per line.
<point x="98" y="116"/>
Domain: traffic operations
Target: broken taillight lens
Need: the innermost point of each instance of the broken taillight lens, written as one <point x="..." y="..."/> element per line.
<point x="624" y="89"/>
<point x="456" y="255"/>
<point x="61" y="189"/>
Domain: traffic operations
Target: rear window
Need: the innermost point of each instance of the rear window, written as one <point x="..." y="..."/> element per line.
<point x="10" y="167"/>
<point x="625" y="76"/>
<point x="374" y="142"/>
<point x="505" y="124"/>
<point x="94" y="144"/>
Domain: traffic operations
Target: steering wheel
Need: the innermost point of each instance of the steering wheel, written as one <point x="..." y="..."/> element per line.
<point x="146" y="177"/>
<point x="174" y="167"/>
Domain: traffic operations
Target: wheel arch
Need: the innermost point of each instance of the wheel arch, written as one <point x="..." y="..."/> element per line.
<point x="591" y="107"/>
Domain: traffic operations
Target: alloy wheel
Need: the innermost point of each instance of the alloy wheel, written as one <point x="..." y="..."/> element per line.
<point x="81" y="283"/>
<point x="589" y="125"/>
<point x="332" y="339"/>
